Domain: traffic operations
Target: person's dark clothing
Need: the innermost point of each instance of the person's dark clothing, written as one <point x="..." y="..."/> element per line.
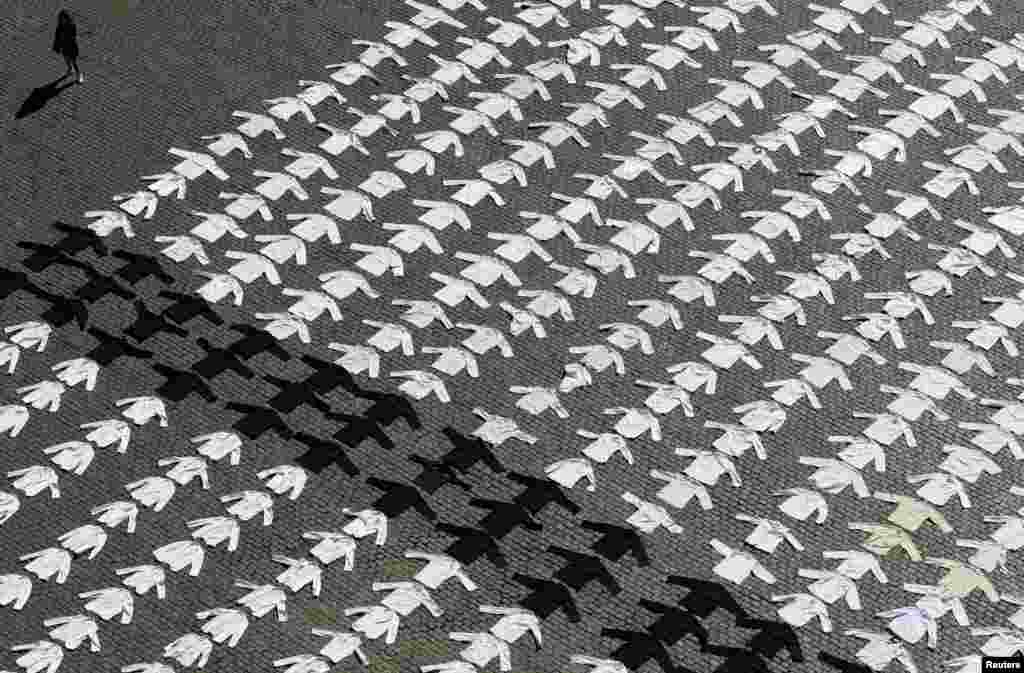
<point x="321" y="454"/>
<point x="78" y="239"/>
<point x="180" y="384"/>
<point x="389" y="407"/>
<point x="398" y="498"/>
<point x="148" y="324"/>
<point x="294" y="394"/>
<point x="471" y="544"/>
<point x="139" y="267"/>
<point x="258" y="420"/>
<point x="12" y="281"/>
<point x="504" y="517"/>
<point x="738" y="660"/>
<point x="358" y="429"/>
<point x="255" y="341"/>
<point x="219" y="360"/>
<point x="65" y="39"/>
<point x="328" y="376"/>
<point x="45" y="255"/>
<point x="99" y="286"/>
<point x="582" y="569"/>
<point x="187" y="307"/>
<point x="773" y="637"/>
<point x="705" y="597"/>
<point x="639" y="647"/>
<point x="547" y="597"/>
<point x="42" y="257"/>
<point x="468" y="451"/>
<point x="617" y="541"/>
<point x="832" y="661"/>
<point x="674" y="624"/>
<point x="63" y="310"/>
<point x="435" y="475"/>
<point x="540" y="493"/>
<point x="111" y="347"/>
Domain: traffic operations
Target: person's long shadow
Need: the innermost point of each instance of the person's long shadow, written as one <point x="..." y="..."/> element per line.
<point x="42" y="95"/>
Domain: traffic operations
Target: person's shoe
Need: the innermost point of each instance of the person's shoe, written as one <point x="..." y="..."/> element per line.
<point x="81" y="78"/>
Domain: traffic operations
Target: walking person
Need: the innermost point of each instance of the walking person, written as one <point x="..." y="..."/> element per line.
<point x="65" y="43"/>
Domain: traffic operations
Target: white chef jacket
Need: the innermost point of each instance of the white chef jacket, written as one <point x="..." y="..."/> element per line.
<point x="482" y="648"/>
<point x="912" y="624"/>
<point x="276" y="185"/>
<point x="860" y="452"/>
<point x="801" y="503"/>
<point x="831" y="585"/>
<point x="708" y="466"/>
<point x="1010" y="533"/>
<point x="215" y="225"/>
<point x="382" y="183"/>
<point x="439" y="569"/>
<point x="737" y="566"/>
<point x="499" y="429"/>
<point x="379" y="259"/>
<point x="693" y="376"/>
<point x="802" y="608"/>
<point x="246" y="205"/>
<point x="940" y="487"/>
<point x="514" y="623"/>
<point x="341" y="284"/>
<point x="635" y="422"/>
<point x="220" y="285"/>
<point x="855" y="564"/>
<point x="626" y="336"/>
<point x="365" y="523"/>
<point x="223" y="144"/>
<point x="485" y="270"/>
<point x="375" y="621"/>
<point x="390" y="336"/>
<point x="405" y="597"/>
<point x="196" y="164"/>
<point x="848" y="348"/>
<point x="656" y="312"/>
<point x="833" y="476"/>
<point x="547" y="303"/>
<point x="452" y="360"/>
<point x="457" y="290"/>
<point x="341" y="646"/>
<point x="768" y="534"/>
<point x="576" y="281"/>
<point x="258" y="124"/>
<point x="667" y="397"/>
<point x="988" y="554"/>
<point x="311" y="304"/>
<point x="725" y="352"/>
<point x="881" y="650"/>
<point x="605" y="445"/>
<point x="648" y="516"/>
<point x="569" y="471"/>
<point x="680" y="489"/>
<point x="412" y="237"/>
<point x="138" y="203"/>
<point x="1002" y="642"/>
<point x="484" y="338"/>
<point x="517" y="247"/>
<point x="306" y="164"/>
<point x="348" y="204"/>
<point x="252" y="266"/>
<point x="282" y="248"/>
<point x="419" y="384"/>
